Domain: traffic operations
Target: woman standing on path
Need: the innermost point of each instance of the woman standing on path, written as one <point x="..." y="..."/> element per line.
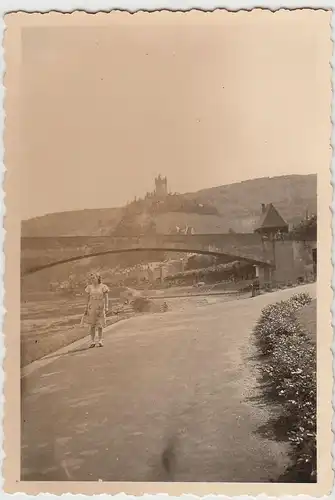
<point x="97" y="307"/>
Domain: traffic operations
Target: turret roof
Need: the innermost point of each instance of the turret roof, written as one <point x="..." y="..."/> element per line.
<point x="271" y="219"/>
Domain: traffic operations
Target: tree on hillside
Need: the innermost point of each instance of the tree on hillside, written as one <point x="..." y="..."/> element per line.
<point x="306" y="229"/>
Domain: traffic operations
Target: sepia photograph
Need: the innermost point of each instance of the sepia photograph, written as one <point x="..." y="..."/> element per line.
<point x="173" y="179"/>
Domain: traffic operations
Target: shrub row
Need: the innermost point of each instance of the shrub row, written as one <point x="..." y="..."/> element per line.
<point x="289" y="373"/>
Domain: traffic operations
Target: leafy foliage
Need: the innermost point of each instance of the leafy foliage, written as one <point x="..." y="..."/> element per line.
<point x="141" y="304"/>
<point x="289" y="372"/>
<point x="144" y="305"/>
<point x="307" y="228"/>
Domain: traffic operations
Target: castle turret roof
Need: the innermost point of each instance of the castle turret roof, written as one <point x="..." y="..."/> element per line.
<point x="271" y="219"/>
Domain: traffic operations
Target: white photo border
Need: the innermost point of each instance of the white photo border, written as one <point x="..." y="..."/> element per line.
<point x="93" y="6"/>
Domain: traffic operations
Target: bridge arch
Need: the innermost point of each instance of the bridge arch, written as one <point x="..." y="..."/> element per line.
<point x="215" y="253"/>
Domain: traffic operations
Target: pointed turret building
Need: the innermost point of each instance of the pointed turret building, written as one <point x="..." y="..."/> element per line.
<point x="271" y="222"/>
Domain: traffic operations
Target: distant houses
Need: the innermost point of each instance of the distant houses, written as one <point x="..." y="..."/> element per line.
<point x="187" y="230"/>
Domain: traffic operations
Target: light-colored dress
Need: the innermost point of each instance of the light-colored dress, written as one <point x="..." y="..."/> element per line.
<point x="96" y="305"/>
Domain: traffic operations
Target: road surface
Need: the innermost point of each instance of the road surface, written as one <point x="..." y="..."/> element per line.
<point x="170" y="397"/>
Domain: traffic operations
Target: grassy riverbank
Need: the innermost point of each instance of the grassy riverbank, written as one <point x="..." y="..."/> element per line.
<point x="51" y="321"/>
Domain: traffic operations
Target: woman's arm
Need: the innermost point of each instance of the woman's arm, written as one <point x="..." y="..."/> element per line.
<point x="106" y="300"/>
<point x="87" y="290"/>
<point x="87" y="303"/>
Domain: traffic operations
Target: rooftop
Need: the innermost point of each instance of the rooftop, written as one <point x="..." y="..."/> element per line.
<point x="271" y="219"/>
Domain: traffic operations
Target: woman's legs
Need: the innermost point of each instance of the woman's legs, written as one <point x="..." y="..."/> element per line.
<point x="92" y="334"/>
<point x="100" y="336"/>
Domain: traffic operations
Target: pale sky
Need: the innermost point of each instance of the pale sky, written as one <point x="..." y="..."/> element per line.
<point x="105" y="109"/>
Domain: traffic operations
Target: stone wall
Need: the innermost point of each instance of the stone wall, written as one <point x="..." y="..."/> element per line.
<point x="293" y="260"/>
<point x="285" y="269"/>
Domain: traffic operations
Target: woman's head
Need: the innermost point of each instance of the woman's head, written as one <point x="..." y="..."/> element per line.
<point x="95" y="278"/>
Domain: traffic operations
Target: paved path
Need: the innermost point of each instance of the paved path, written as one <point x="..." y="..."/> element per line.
<point x="169" y="397"/>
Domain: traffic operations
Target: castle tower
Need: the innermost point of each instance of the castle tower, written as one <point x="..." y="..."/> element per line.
<point x="161" y="186"/>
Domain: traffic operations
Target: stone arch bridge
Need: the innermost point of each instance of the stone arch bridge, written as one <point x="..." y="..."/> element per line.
<point x="38" y="253"/>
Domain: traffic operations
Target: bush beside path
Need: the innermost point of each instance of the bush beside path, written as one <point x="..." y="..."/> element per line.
<point x="286" y="339"/>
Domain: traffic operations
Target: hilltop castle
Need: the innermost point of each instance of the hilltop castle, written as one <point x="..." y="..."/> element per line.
<point x="161" y="189"/>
